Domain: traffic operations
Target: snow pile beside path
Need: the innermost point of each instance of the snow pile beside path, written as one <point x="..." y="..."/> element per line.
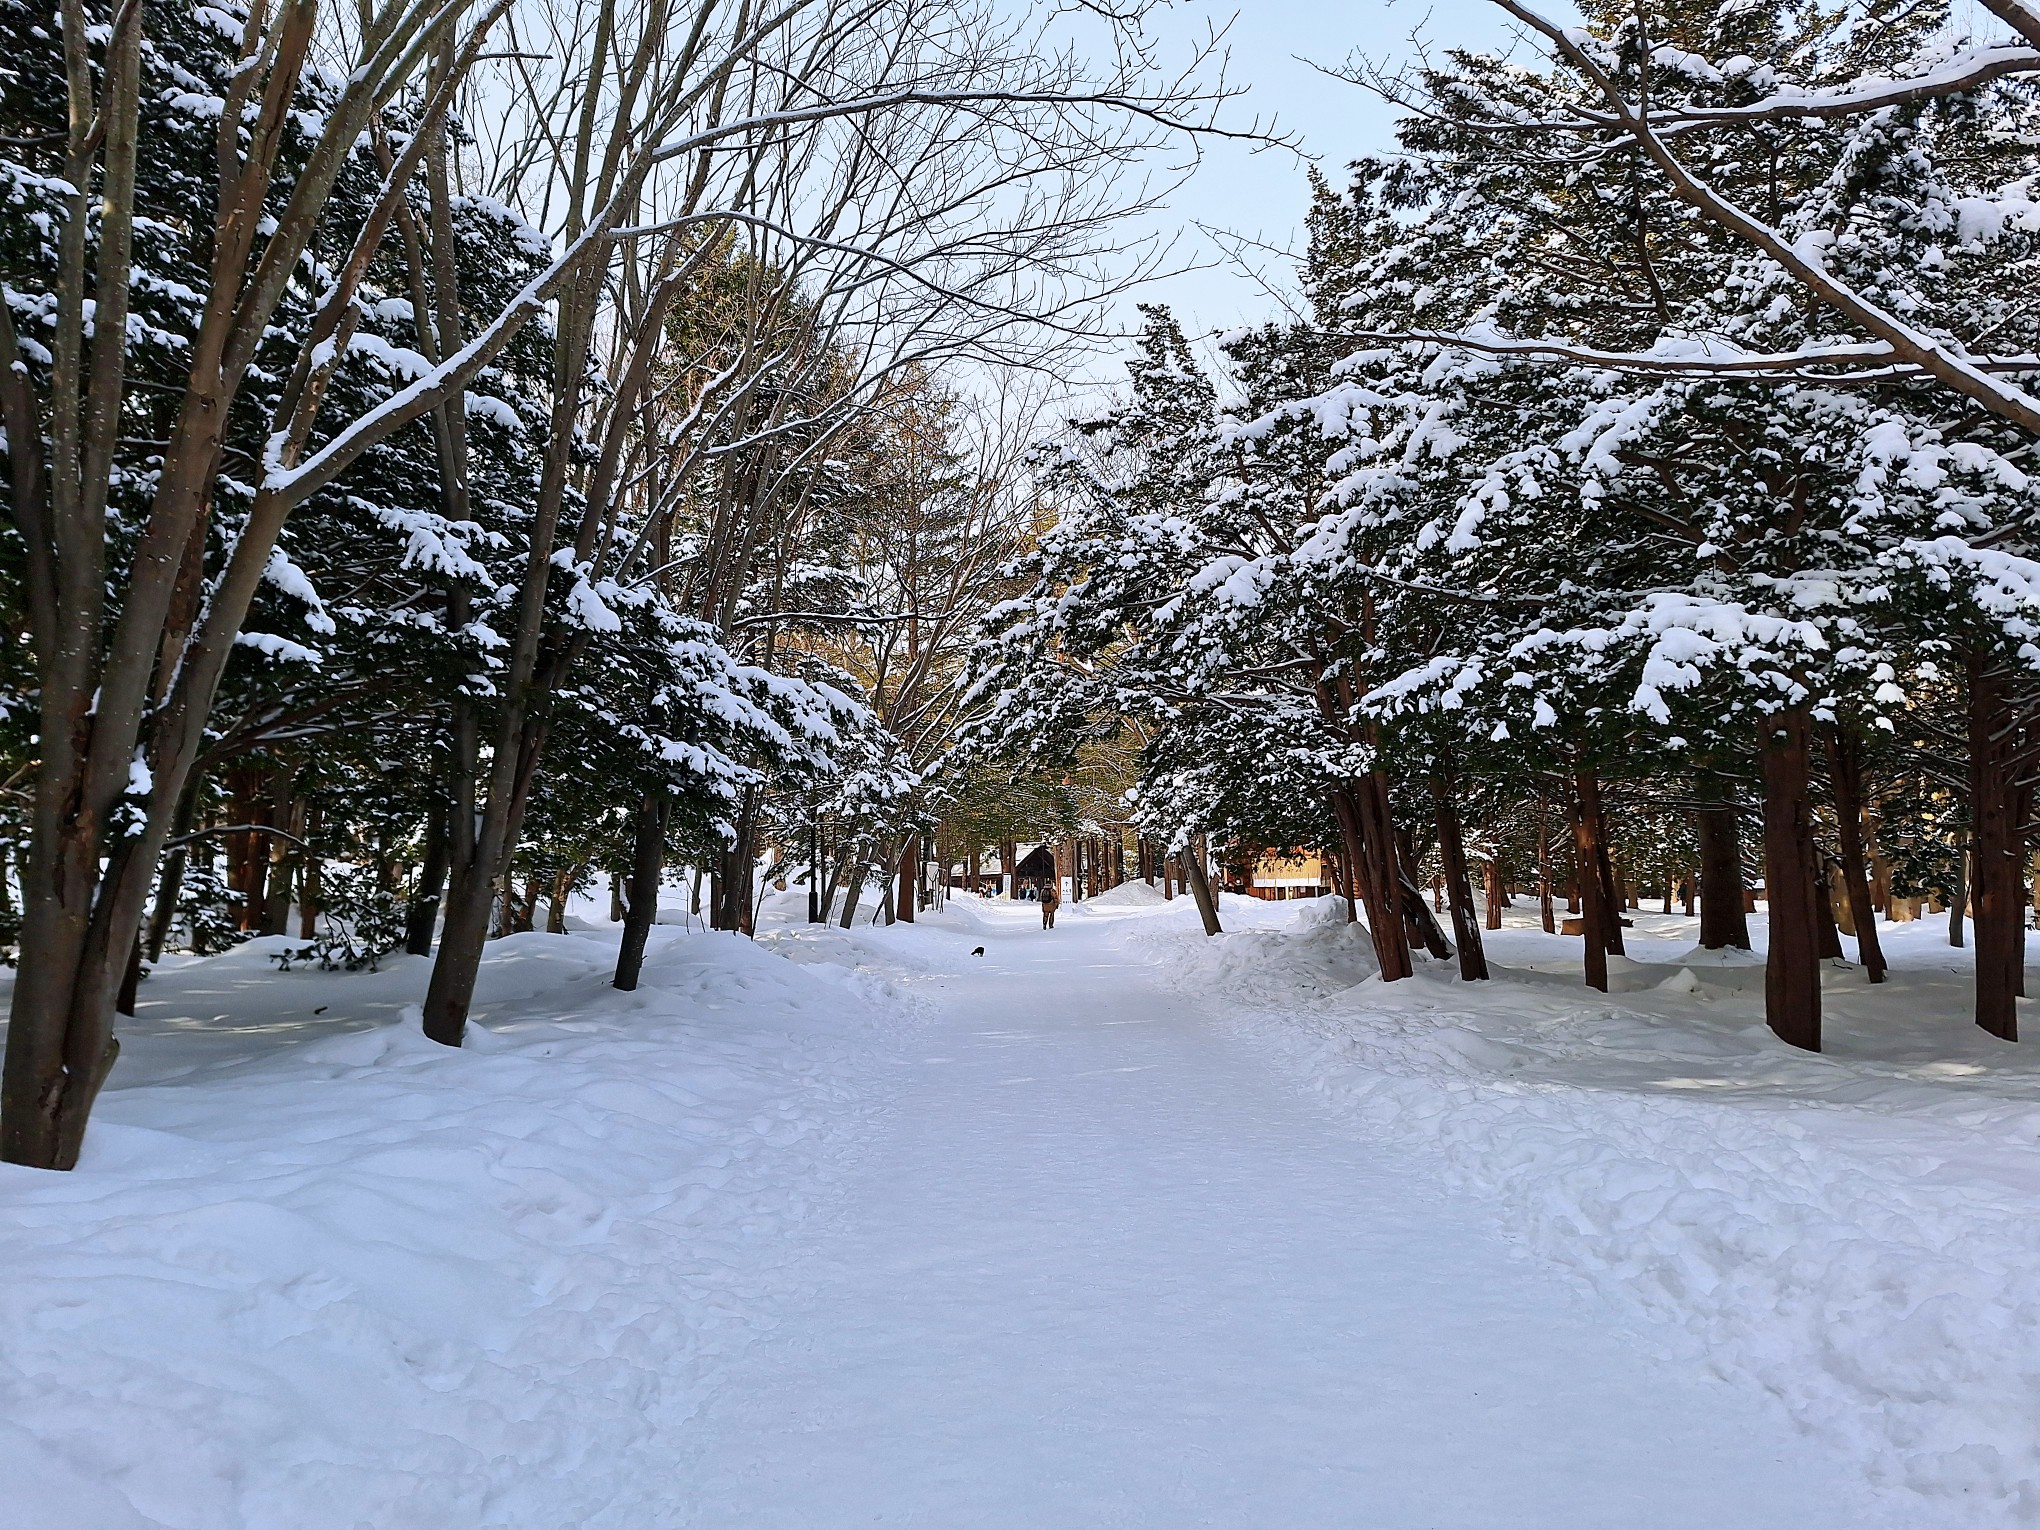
<point x="360" y="1279"/>
<point x="1314" y="953"/>
<point x="1857" y="1235"/>
<point x="1133" y="894"/>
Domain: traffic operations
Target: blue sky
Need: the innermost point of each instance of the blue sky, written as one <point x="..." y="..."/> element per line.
<point x="1262" y="196"/>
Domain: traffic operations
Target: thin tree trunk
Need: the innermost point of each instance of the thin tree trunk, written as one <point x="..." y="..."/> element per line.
<point x="1544" y="915"/>
<point x="647" y="870"/>
<point x="423" y="915"/>
<point x="1200" y="888"/>
<point x="855" y="866"/>
<point x="170" y="881"/>
<point x="1792" y="1001"/>
<point x="1594" y="910"/>
<point x="1958" y="899"/>
<point x="1473" y="966"/>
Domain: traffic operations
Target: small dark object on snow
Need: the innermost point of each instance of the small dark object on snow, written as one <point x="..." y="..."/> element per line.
<point x="980" y="951"/>
<point x="320" y="1010"/>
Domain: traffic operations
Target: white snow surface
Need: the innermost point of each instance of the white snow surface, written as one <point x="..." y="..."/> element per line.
<point x="318" y="1273"/>
<point x="1856" y="1232"/>
<point x="1114" y="1225"/>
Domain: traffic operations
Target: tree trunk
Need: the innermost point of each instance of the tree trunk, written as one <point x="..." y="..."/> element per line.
<point x="1958" y="899"/>
<point x="1998" y="804"/>
<point x="855" y="866"/>
<point x="556" y="899"/>
<point x="1724" y="920"/>
<point x="1384" y="924"/>
<point x="1544" y="867"/>
<point x="647" y="870"/>
<point x="1595" y="913"/>
<point x="1496" y="899"/>
<point x="1597" y="867"/>
<point x="1473" y="966"/>
<point x="1200" y="888"/>
<point x="910" y="868"/>
<point x="170" y="881"/>
<point x="1792" y="1004"/>
<point x="1418" y="920"/>
<point x="423" y="915"/>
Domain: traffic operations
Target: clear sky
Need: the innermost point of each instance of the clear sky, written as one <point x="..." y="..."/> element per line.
<point x="1274" y="44"/>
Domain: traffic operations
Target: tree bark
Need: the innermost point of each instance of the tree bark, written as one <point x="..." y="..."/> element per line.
<point x="1384" y="923"/>
<point x="1724" y="919"/>
<point x="1595" y="913"/>
<point x="1596" y="868"/>
<point x="1544" y="914"/>
<point x="1473" y="966"/>
<point x="910" y="868"/>
<point x="1998" y="806"/>
<point x="647" y="870"/>
<point x="1792" y="1002"/>
<point x="1200" y="887"/>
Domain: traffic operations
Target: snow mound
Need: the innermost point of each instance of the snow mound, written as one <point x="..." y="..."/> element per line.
<point x="1133" y="894"/>
<point x="334" y="1275"/>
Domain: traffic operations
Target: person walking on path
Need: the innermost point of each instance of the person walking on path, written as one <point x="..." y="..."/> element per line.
<point x="1051" y="896"/>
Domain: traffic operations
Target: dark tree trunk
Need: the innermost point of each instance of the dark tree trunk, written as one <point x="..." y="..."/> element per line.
<point x="1792" y="971"/>
<point x="1473" y="966"/>
<point x="1418" y="920"/>
<point x="1496" y="898"/>
<point x="1998" y="804"/>
<point x="1724" y="919"/>
<point x="1384" y="924"/>
<point x="647" y="870"/>
<point x="910" y="868"/>
<point x="1596" y="865"/>
<point x="855" y="866"/>
<point x="1200" y="885"/>
<point x="423" y="914"/>
<point x="170" y="881"/>
<point x="816" y="912"/>
<point x="1544" y="867"/>
<point x="1595" y="914"/>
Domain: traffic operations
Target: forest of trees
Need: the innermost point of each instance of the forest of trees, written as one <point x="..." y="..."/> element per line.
<point x="556" y="443"/>
<point x="542" y="441"/>
<point x="1641" y="493"/>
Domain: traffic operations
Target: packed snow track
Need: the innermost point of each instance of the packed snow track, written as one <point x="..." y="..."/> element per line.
<point x="1105" y="1267"/>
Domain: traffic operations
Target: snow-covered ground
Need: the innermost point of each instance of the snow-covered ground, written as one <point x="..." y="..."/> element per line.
<point x="1111" y="1225"/>
<point x="318" y="1273"/>
<point x="1858" y="1233"/>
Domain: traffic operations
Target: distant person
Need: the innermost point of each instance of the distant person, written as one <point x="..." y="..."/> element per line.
<point x="1051" y="898"/>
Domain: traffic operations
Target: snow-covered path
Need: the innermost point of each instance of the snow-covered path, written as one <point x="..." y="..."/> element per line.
<point x="1107" y="1268"/>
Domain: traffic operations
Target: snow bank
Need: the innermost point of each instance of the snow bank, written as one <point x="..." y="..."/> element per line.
<point x="1858" y="1232"/>
<point x="317" y="1272"/>
<point x="1133" y="894"/>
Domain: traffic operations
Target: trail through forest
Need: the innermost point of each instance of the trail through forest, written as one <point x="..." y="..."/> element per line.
<point x="1106" y="1267"/>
